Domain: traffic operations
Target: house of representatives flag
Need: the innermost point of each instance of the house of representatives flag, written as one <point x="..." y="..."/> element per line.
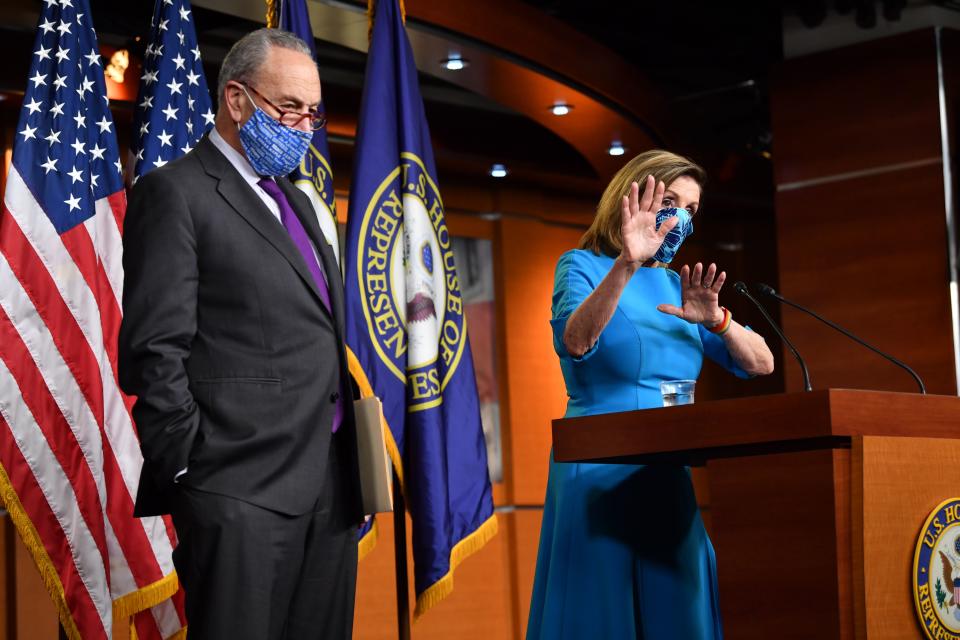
<point x="406" y="326"/>
<point x="69" y="456"/>
<point x="313" y="176"/>
<point x="173" y="104"/>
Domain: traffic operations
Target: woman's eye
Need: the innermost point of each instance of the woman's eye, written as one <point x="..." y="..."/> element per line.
<point x="667" y="202"/>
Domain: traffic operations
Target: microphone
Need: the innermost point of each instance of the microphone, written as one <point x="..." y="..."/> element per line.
<point x="741" y="288"/>
<point x="767" y="290"/>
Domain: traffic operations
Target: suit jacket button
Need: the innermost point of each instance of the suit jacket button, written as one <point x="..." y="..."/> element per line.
<point x="334" y="396"/>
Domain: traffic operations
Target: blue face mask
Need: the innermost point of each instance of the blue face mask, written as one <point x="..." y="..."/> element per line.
<point x="272" y="149"/>
<point x="676" y="236"/>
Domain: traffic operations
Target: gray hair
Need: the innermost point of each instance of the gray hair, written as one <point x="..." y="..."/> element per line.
<point x="250" y="52"/>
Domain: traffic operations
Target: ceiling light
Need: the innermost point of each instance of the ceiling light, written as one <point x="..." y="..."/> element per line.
<point x="561" y="109"/>
<point x="498" y="171"/>
<point x="454" y="62"/>
<point x="616" y="148"/>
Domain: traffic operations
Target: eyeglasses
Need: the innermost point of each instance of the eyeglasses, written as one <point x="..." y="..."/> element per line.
<point x="292" y="118"/>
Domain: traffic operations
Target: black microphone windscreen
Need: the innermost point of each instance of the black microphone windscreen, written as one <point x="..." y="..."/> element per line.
<point x="766" y="289"/>
<point x="739" y="287"/>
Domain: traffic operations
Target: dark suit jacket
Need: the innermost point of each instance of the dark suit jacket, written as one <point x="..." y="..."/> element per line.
<point x="225" y="342"/>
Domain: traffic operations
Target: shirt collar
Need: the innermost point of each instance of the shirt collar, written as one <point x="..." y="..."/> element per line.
<point x="237" y="159"/>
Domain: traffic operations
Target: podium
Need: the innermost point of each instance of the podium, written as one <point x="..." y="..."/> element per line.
<point x="816" y="499"/>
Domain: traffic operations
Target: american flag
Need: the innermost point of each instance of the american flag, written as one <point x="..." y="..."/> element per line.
<point x="69" y="456"/>
<point x="173" y="105"/>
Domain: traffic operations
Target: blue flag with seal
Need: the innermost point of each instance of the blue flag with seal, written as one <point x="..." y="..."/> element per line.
<point x="313" y="176"/>
<point x="406" y="327"/>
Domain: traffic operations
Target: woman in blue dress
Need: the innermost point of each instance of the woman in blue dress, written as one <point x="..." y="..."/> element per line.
<point x="623" y="552"/>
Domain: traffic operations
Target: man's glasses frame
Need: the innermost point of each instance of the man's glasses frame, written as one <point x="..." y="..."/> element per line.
<point x="292" y="118"/>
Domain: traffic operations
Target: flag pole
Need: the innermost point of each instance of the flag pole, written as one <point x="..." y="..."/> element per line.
<point x="400" y="560"/>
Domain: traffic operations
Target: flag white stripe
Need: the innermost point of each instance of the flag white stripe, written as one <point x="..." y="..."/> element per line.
<point x="46" y="242"/>
<point x="58" y="377"/>
<point x="76" y="294"/>
<point x="108" y="244"/>
<point x="58" y="492"/>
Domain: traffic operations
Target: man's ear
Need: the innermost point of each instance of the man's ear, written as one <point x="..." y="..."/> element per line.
<point x="233" y="99"/>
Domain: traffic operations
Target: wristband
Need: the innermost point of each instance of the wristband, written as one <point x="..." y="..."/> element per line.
<point x="724" y="324"/>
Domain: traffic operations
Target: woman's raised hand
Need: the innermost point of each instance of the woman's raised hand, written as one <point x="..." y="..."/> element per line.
<point x="638" y="222"/>
<point x="700" y="293"/>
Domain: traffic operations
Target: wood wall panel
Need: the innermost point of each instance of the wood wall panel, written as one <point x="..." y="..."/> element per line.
<point x="776" y="515"/>
<point x="867" y="250"/>
<point x="868" y="254"/>
<point x="480" y="607"/>
<point x="527" y="530"/>
<point x="533" y="390"/>
<point x="868" y="105"/>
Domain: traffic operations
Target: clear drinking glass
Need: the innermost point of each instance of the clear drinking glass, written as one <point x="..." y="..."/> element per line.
<point x="677" y="392"/>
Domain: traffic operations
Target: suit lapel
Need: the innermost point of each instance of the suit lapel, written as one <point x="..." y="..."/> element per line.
<point x="241" y="197"/>
<point x="328" y="261"/>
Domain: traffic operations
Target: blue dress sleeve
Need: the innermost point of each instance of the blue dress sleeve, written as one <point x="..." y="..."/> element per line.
<point x="715" y="349"/>
<point x="572" y="284"/>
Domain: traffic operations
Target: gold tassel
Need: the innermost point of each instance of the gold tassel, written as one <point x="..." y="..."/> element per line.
<point x="273" y="14"/>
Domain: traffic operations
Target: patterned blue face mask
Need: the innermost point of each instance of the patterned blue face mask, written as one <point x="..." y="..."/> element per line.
<point x="676" y="236"/>
<point x="272" y="149"/>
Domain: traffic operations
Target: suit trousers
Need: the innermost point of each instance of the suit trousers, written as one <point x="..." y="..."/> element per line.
<point x="250" y="573"/>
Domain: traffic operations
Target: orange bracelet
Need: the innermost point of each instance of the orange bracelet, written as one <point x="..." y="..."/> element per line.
<point x="724" y="325"/>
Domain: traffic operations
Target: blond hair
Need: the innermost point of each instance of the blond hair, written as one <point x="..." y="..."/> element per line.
<point x="603" y="236"/>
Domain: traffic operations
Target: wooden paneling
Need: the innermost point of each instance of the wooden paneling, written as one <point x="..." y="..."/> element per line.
<point x="479" y="608"/>
<point x="525" y="541"/>
<point x="868" y="105"/>
<point x="774" y="531"/>
<point x="897" y="483"/>
<point x="869" y="254"/>
<point x="533" y="392"/>
<point x="864" y="241"/>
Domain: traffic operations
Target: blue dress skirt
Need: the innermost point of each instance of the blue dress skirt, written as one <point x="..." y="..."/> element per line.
<point x="623" y="552"/>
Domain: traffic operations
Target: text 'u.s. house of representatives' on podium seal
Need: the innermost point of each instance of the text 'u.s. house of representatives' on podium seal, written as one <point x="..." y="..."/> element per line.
<point x="936" y="573"/>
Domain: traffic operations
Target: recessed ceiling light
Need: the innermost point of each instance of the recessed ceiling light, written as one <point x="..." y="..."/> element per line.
<point x="561" y="109"/>
<point x="498" y="171"/>
<point x="454" y="62"/>
<point x="616" y="148"/>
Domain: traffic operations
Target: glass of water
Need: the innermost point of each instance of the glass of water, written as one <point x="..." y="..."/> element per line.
<point x="677" y="392"/>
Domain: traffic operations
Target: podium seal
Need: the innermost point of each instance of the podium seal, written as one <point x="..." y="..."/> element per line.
<point x="936" y="573"/>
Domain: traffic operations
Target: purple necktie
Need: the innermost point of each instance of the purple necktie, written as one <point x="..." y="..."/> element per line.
<point x="299" y="236"/>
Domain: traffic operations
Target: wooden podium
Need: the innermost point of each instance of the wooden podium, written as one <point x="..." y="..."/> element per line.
<point x="816" y="499"/>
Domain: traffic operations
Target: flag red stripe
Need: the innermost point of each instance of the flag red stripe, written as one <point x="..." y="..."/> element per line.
<point x="75" y="349"/>
<point x="79" y="245"/>
<point x="82" y="609"/>
<point x="55" y="428"/>
<point x="40" y="287"/>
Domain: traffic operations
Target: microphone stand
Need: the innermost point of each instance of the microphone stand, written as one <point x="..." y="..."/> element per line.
<point x="767" y="290"/>
<point x="741" y="288"/>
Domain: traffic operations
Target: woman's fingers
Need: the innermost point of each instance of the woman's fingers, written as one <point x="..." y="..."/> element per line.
<point x="685" y="277"/>
<point x="696" y="276"/>
<point x="648" y="190"/>
<point x="670" y="309"/>
<point x="657" y="196"/>
<point x="709" y="275"/>
<point x="719" y="281"/>
<point x="667" y="226"/>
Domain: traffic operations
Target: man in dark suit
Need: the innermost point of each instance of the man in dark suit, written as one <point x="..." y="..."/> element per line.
<point x="232" y="343"/>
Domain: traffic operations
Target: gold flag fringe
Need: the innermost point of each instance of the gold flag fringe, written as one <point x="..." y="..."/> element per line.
<point x="371" y="5"/>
